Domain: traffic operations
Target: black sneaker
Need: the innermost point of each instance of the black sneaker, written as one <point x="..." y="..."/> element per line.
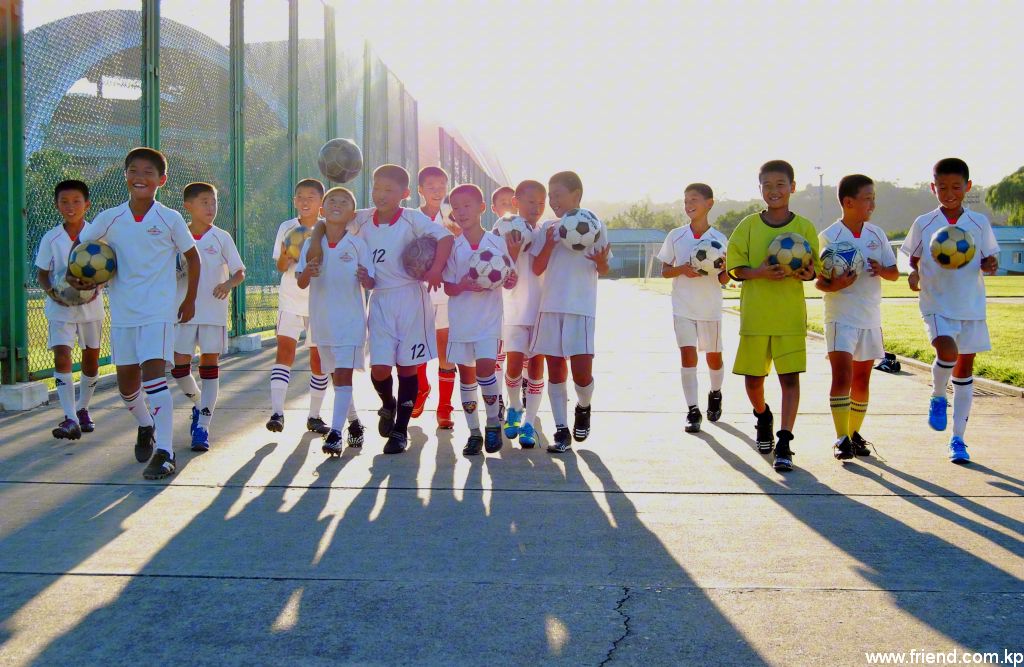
<point x="714" y="406"/>
<point x="581" y="427"/>
<point x="562" y="442"/>
<point x="144" y="443"/>
<point x="160" y="466"/>
<point x="843" y="449"/>
<point x="332" y="443"/>
<point x="693" y="420"/>
<point x="68" y="429"/>
<point x="765" y="425"/>
<point x="861" y="447"/>
<point x="783" y="454"/>
<point x="317" y="425"/>
<point x="387" y="421"/>
<point x="355" y="433"/>
<point x="492" y="439"/>
<point x="474" y="445"/>
<point x="276" y="423"/>
<point x="85" y="421"/>
<point x="396" y="443"/>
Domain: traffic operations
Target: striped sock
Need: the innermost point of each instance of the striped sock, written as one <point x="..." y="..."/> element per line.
<point x="515" y="391"/>
<point x="162" y="403"/>
<point x="963" y="396"/>
<point x="470" y="394"/>
<point x="280" y="376"/>
<point x="858" y="411"/>
<point x="136" y="405"/>
<point x="210" y="375"/>
<point x="941" y="372"/>
<point x="445" y="386"/>
<point x="840" y="406"/>
<point x="534" y="394"/>
<point x="317" y="389"/>
<point x="186" y="382"/>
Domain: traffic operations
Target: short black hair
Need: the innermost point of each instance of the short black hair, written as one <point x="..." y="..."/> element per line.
<point x="850" y="185"/>
<point x="68" y="185"/>
<point x="431" y="170"/>
<point x="569" y="179"/>
<point x="504" y="188"/>
<point x="467" y="189"/>
<point x="193" y="190"/>
<point x="777" y="167"/>
<point x="310" y="183"/>
<point x="345" y="192"/>
<point x="703" y="189"/>
<point x="150" y="155"/>
<point x="393" y="173"/>
<point x="527" y="185"/>
<point x="951" y="165"/>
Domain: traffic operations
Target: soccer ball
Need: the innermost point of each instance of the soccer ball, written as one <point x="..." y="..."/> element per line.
<point x="69" y="296"/>
<point x="839" y="257"/>
<point x="340" y="160"/>
<point x="579" y="229"/>
<point x="952" y="247"/>
<point x="294" y="240"/>
<point x="93" y="262"/>
<point x="488" y="268"/>
<point x="418" y="256"/>
<point x="510" y="224"/>
<point x="708" y="257"/>
<point x="181" y="267"/>
<point x="790" y="251"/>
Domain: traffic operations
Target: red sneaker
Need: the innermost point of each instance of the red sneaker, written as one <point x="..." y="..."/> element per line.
<point x="421" y="400"/>
<point x="444" y="417"/>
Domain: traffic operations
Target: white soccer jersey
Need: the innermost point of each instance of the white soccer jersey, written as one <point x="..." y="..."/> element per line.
<point x="219" y="261"/>
<point x="53" y="257"/>
<point x="570" y="280"/>
<point x="144" y="287"/>
<point x="386" y="239"/>
<point x="337" y="309"/>
<point x="290" y="298"/>
<point x="959" y="294"/>
<point x="522" y="302"/>
<point x="437" y="297"/>
<point x="860" y="304"/>
<point x="473" y="316"/>
<point x="693" y="298"/>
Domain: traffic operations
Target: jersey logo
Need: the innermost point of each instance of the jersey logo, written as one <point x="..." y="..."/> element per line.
<point x="873" y="244"/>
<point x="154" y="231"/>
<point x="210" y="250"/>
<point x="346" y="256"/>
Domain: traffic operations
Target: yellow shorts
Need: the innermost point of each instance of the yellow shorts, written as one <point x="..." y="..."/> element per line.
<point x="755" y="355"/>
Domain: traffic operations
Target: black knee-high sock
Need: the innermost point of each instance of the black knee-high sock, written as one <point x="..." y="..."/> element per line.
<point x="385" y="390"/>
<point x="407" y="389"/>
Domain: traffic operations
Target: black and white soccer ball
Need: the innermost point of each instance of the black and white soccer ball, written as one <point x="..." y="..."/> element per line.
<point x="514" y="224"/>
<point x="580" y="229"/>
<point x="489" y="269"/>
<point x="708" y="257"/>
<point x="340" y="160"/>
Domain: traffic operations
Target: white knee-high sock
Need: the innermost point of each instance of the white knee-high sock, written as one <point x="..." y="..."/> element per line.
<point x="534" y="394"/>
<point x="963" y="396"/>
<point x="491" y="390"/>
<point x="584" y="394"/>
<point x="342" y="403"/>
<point x="186" y="382"/>
<point x="280" y="376"/>
<point x="469" y="403"/>
<point x="86" y="387"/>
<point x="717" y="377"/>
<point x="353" y="415"/>
<point x="317" y="389"/>
<point x="499" y="371"/>
<point x="210" y="375"/>
<point x="941" y="372"/>
<point x="558" y="394"/>
<point x="689" y="378"/>
<point x="514" y="385"/>
<point x="66" y="394"/>
<point x="136" y="405"/>
<point x="162" y="403"/>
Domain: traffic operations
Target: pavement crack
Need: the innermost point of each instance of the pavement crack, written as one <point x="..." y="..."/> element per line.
<point x="626" y="630"/>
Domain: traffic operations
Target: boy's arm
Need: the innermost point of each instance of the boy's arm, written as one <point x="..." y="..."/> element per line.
<point x="235" y="266"/>
<point x="43" y="278"/>
<point x="315" y="251"/>
<point x="600" y="259"/>
<point x="187" y="309"/>
<point x="444" y="249"/>
<point x="541" y="259"/>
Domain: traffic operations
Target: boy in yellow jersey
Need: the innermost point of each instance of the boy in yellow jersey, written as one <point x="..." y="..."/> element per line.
<point x="773" y="314"/>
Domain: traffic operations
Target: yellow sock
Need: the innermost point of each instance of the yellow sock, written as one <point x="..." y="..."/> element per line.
<point x="858" y="411"/>
<point x="840" y="414"/>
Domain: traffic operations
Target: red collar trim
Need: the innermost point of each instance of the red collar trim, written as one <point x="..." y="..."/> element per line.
<point x="333" y="245"/>
<point x="139" y="218"/>
<point x="376" y="218"/>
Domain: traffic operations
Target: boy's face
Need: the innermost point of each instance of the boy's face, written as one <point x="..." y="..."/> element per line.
<point x="143" y="179"/>
<point x="467" y="209"/>
<point x="433" y="190"/>
<point x="861" y="207"/>
<point x="530" y="205"/>
<point x="776" y="189"/>
<point x="202" y="208"/>
<point x="72" y="205"/>
<point x="950" y="190"/>
<point x="504" y="203"/>
<point x="307" y="202"/>
<point x="387" y="194"/>
<point x="562" y="199"/>
<point x="338" y="208"/>
<point x="696" y="205"/>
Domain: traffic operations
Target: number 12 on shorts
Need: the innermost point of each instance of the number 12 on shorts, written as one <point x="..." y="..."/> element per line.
<point x="419" y="350"/>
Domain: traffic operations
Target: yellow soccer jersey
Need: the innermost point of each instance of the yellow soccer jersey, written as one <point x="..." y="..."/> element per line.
<point x="769" y="307"/>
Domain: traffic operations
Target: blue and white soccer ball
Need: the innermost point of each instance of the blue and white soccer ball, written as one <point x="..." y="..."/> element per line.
<point x="489" y="269"/>
<point x="181" y="267"/>
<point x="580" y="229"/>
<point x="510" y="224"/>
<point x="790" y="251"/>
<point x="952" y="247"/>
<point x="841" y="257"/>
<point x="708" y="257"/>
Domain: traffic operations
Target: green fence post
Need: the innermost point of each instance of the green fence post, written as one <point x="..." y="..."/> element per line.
<point x="237" y="66"/>
<point x="331" y="70"/>
<point x="293" y="94"/>
<point x="151" y="73"/>
<point x="13" y="257"/>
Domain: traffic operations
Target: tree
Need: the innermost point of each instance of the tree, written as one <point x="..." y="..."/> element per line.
<point x="1007" y="196"/>
<point x="727" y="222"/>
<point x="642" y="216"/>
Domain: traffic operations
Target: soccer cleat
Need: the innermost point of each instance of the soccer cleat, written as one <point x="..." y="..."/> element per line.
<point x="581" y="427"/>
<point x="783" y="454"/>
<point x="200" y="439"/>
<point x="386" y="423"/>
<point x="562" y="442"/>
<point x="492" y="439"/>
<point x="693" y="420"/>
<point x="421" y="400"/>
<point x="444" y="417"/>
<point x="513" y="423"/>
<point x="473" y="445"/>
<point x="317" y="425"/>
<point x="714" y="406"/>
<point x="275" y="423"/>
<point x="937" y="413"/>
<point x="332" y="443"/>
<point x="160" y="466"/>
<point x="396" y="443"/>
<point x="68" y="430"/>
<point x="765" y="426"/>
<point x="145" y="440"/>
<point x="861" y="447"/>
<point x="355" y="433"/>
<point x="527" y="436"/>
<point x="958" y="450"/>
<point x="843" y="449"/>
<point x="195" y="420"/>
<point x="85" y="421"/>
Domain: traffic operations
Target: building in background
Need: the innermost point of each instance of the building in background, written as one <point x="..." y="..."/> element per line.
<point x="634" y="252"/>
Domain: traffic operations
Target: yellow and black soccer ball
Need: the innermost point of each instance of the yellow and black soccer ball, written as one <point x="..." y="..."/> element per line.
<point x="93" y="262"/>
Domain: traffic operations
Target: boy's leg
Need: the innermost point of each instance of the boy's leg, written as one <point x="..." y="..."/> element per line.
<point x="859" y="391"/>
<point x="839" y="393"/>
<point x="383" y="384"/>
<point x="280" y="376"/>
<point x="558" y="394"/>
<point x="445" y="378"/>
<point x="963" y="393"/>
<point x="499" y="375"/>
<point x="65" y="382"/>
<point x="186" y="337"/>
<point x="87" y="385"/>
<point x="688" y="377"/>
<point x="154" y="383"/>
<point x="318" y="381"/>
<point x="408" y="386"/>
<point x="942" y="371"/>
<point x="513" y="379"/>
<point x="342" y="378"/>
<point x="755" y="392"/>
<point x="486" y="378"/>
<point x="790" y="383"/>
<point x="716" y="371"/>
<point x="534" y="394"/>
<point x="209" y="373"/>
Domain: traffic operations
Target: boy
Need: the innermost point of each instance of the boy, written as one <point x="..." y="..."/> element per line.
<point x="146" y="236"/>
<point x="399" y="319"/>
<point x="475" y="315"/>
<point x="293" y="317"/>
<point x="853" y="312"/>
<point x="503" y="202"/>
<point x="773" y="314"/>
<point x="521" y="304"/>
<point x="69" y="324"/>
<point x="336" y="307"/>
<point x="221" y="271"/>
<point x="696" y="303"/>
<point x="952" y="302"/>
<point x="567" y="311"/>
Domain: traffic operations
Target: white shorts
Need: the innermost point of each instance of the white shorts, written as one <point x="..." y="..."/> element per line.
<point x="441" y="315"/>
<point x="563" y="335"/>
<point x="863" y="344"/>
<point x="290" y="325"/>
<point x="466" y="354"/>
<point x="341" y="356"/>
<point x="130" y="346"/>
<point x="87" y="334"/>
<point x="401" y="327"/>
<point x="705" y="335"/>
<point x="211" y="339"/>
<point x="517" y="338"/>
<point x="971" y="336"/>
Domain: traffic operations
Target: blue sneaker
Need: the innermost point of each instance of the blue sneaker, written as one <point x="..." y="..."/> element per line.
<point x="513" y="423"/>
<point x="937" y="413"/>
<point x="195" y="420"/>
<point x="527" y="436"/>
<point x="492" y="439"/>
<point x="958" y="450"/>
<point x="200" y="439"/>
